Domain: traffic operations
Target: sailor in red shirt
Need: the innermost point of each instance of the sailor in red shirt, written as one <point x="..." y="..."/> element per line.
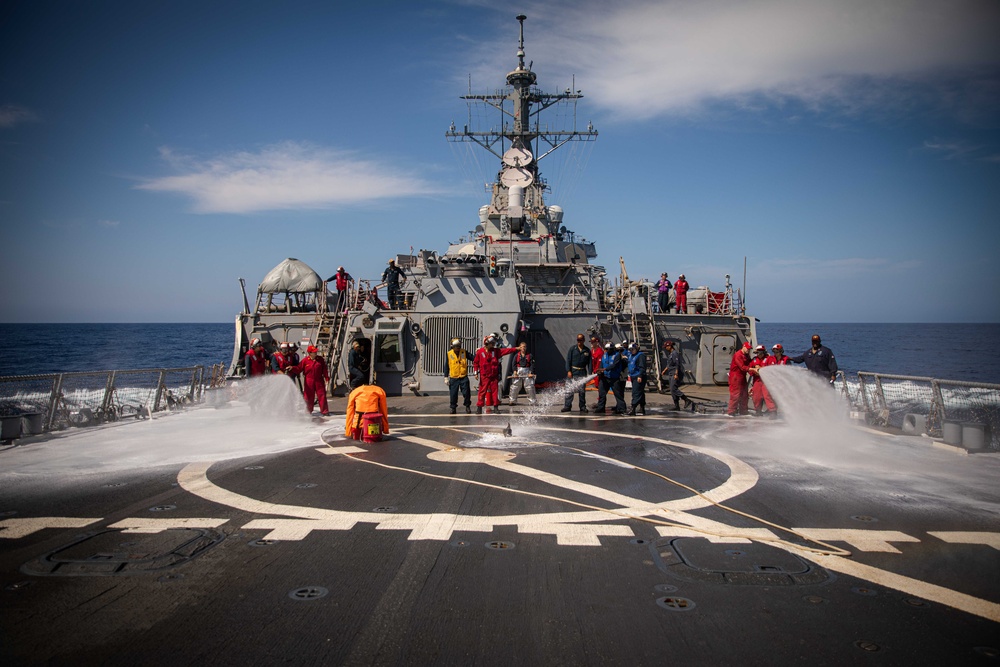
<point x="486" y="364"/>
<point x="282" y="359"/>
<point x="778" y="357"/>
<point x="255" y="360"/>
<point x="316" y="377"/>
<point x="738" y="396"/>
<point x="758" y="391"/>
<point x="681" y="294"/>
<point x="596" y="354"/>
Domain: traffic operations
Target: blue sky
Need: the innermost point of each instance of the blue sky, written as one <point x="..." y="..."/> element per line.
<point x="152" y="153"/>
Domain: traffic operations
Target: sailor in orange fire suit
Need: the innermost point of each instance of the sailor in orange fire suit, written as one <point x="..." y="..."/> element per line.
<point x="366" y="398"/>
<point x="738" y="396"/>
<point x="316" y="377"/>
<point x="486" y="364"/>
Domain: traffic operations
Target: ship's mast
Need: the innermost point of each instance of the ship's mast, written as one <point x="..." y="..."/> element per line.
<point x="521" y="143"/>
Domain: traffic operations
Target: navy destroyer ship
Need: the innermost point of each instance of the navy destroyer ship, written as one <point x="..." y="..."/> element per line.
<point x="231" y="534"/>
<point x="522" y="274"/>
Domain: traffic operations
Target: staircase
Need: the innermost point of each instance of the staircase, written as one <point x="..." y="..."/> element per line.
<point x="643" y="327"/>
<point x="330" y="335"/>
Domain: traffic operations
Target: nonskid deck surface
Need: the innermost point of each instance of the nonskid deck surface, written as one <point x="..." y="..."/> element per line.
<point x="578" y="539"/>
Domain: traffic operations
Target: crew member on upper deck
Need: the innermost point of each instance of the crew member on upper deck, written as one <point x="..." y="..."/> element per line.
<point x="663" y="293"/>
<point x="391" y="277"/>
<point x="681" y="294"/>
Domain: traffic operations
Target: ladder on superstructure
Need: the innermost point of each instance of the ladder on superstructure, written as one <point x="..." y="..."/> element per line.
<point x="643" y="325"/>
<point x="330" y="335"/>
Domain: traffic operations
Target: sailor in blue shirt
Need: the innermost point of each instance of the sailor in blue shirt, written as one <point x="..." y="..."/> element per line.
<point x="819" y="359"/>
<point x="612" y="364"/>
<point x="637" y="373"/>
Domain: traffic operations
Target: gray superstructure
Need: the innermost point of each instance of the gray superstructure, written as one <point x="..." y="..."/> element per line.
<point x="522" y="273"/>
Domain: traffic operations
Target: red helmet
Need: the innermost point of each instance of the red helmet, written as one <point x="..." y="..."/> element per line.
<point x="311" y="349"/>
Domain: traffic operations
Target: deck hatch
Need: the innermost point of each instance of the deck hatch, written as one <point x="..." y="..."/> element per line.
<point x="109" y="552"/>
<point x="697" y="559"/>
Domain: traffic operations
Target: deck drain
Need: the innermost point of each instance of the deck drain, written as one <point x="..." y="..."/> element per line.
<point x="500" y="545"/>
<point x="988" y="651"/>
<point x="308" y="593"/>
<point x="916" y="602"/>
<point x="637" y="540"/>
<point x="254" y="468"/>
<point x="261" y="543"/>
<point x="675" y="603"/>
<point x="735" y="552"/>
<point x="814" y="599"/>
<point x="665" y="588"/>
<point x="170" y="577"/>
<point x="864" y="518"/>
<point x="384" y="509"/>
<point x="866" y="645"/>
<point x="600" y="470"/>
<point x="305" y="485"/>
<point x="861" y="590"/>
<point x="8" y="513"/>
<point x="509" y="486"/>
<point x="113" y="485"/>
<point x="162" y="508"/>
<point x="18" y="585"/>
<point x="460" y="543"/>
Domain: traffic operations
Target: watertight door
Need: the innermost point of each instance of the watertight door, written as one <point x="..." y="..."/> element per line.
<point x="388" y="355"/>
<point x="722" y="355"/>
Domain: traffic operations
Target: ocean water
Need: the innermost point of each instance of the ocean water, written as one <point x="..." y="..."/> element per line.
<point x="32" y="349"/>
<point x="944" y="351"/>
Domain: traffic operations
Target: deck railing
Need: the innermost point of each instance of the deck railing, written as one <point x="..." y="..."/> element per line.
<point x="924" y="405"/>
<point x="32" y="404"/>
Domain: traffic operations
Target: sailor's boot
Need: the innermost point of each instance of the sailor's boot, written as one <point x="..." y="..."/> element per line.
<point x="479" y="409"/>
<point x="677" y="405"/>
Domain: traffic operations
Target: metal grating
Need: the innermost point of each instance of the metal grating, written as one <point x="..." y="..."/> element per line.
<point x="438" y="332"/>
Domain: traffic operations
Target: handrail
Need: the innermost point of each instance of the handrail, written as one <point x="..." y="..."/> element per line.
<point x="886" y="399"/>
<point x="83" y="398"/>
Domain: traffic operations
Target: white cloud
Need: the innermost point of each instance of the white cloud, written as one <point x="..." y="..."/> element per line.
<point x="108" y="223"/>
<point x="286" y="176"/>
<point x="950" y="150"/>
<point x="11" y="115"/>
<point x="651" y="57"/>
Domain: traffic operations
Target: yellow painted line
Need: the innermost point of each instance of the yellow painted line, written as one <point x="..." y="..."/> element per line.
<point x="143" y="525"/>
<point x="862" y="540"/>
<point x="348" y="449"/>
<point x="921" y="589"/>
<point x="564" y="525"/>
<point x="964" y="537"/>
<point x="16" y="528"/>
